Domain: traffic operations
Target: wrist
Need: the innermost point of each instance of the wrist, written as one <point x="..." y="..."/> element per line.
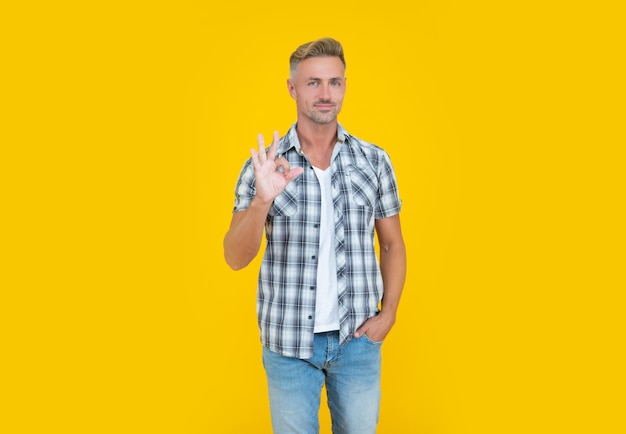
<point x="387" y="315"/>
<point x="259" y="202"/>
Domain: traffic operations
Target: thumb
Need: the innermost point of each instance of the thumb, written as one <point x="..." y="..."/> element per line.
<point x="360" y="331"/>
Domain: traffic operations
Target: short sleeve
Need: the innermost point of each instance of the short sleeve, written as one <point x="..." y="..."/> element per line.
<point x="389" y="202"/>
<point x="245" y="189"/>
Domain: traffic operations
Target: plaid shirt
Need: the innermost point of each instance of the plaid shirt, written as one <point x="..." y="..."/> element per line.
<point x="364" y="188"/>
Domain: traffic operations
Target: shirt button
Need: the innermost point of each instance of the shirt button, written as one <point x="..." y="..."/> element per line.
<point x="311" y="287"/>
<point x="316" y="225"/>
<point x="313" y="257"/>
<point x="310" y="317"/>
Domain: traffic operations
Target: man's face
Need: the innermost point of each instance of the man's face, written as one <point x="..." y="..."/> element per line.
<point x="318" y="86"/>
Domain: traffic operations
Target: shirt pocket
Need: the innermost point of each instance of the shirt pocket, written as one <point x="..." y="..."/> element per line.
<point x="364" y="186"/>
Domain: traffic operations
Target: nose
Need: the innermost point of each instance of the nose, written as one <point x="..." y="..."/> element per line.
<point x="325" y="91"/>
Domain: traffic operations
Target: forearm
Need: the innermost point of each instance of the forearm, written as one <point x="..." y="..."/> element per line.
<point x="393" y="269"/>
<point x="243" y="240"/>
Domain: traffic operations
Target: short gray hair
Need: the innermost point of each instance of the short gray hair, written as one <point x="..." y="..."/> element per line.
<point x="324" y="47"/>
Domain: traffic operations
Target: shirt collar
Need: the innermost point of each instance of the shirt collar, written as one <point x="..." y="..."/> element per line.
<point x="290" y="140"/>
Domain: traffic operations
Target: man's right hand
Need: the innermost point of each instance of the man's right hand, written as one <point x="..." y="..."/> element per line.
<point x="272" y="174"/>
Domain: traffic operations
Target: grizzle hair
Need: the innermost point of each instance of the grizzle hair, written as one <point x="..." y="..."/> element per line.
<point x="322" y="47"/>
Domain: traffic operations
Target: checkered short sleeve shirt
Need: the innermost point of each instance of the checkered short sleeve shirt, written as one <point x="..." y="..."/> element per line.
<point x="364" y="189"/>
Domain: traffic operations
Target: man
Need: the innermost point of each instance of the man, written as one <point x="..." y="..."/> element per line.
<point x="325" y="303"/>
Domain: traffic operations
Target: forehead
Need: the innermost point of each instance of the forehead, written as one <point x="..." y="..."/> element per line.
<point x="321" y="67"/>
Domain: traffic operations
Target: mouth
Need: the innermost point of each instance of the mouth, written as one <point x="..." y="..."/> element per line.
<point x="324" y="107"/>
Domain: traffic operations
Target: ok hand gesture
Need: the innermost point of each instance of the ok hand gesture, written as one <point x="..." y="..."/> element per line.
<point x="272" y="174"/>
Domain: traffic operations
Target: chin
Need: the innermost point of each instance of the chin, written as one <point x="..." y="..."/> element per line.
<point x="325" y="119"/>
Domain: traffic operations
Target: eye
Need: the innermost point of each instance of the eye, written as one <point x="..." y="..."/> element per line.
<point x="313" y="83"/>
<point x="335" y="84"/>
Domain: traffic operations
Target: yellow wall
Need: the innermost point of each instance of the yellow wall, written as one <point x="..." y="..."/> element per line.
<point x="126" y="125"/>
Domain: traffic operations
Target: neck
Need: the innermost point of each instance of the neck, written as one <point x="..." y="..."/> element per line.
<point x="318" y="143"/>
<point x="317" y="137"/>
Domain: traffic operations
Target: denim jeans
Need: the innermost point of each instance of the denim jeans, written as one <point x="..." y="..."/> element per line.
<point x="352" y="376"/>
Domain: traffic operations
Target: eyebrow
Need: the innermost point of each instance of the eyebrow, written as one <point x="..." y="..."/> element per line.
<point x="320" y="79"/>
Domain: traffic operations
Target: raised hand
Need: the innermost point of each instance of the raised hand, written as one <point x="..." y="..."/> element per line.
<point x="272" y="174"/>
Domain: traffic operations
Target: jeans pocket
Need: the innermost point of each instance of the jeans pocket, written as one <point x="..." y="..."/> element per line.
<point x="370" y="341"/>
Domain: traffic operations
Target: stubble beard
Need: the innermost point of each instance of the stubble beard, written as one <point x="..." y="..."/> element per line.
<point x="323" y="118"/>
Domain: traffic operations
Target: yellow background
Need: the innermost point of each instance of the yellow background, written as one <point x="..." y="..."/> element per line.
<point x="123" y="130"/>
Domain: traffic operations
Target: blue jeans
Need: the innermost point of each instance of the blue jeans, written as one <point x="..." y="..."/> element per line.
<point x="352" y="376"/>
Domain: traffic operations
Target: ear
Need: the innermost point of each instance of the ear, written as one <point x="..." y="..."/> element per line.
<point x="291" y="87"/>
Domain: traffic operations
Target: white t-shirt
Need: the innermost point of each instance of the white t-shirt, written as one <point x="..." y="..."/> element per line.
<point x="326" y="306"/>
